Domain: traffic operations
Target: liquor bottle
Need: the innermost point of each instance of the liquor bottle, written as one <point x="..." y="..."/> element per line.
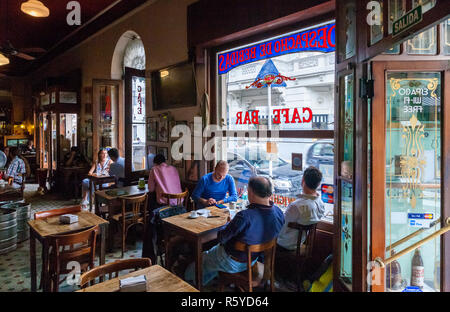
<point x="394" y="274"/>
<point x="417" y="270"/>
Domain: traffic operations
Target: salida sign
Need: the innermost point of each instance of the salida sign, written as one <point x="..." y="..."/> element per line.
<point x="299" y="115"/>
<point x="318" y="39"/>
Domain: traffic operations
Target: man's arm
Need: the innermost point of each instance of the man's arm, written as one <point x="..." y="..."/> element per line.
<point x="198" y="191"/>
<point x="151" y="181"/>
<point x="236" y="226"/>
<point x="231" y="190"/>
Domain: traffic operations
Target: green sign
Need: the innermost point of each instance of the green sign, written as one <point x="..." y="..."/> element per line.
<point x="406" y="21"/>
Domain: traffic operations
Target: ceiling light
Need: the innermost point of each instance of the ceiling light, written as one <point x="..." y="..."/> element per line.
<point x="3" y="60"/>
<point x="164" y="73"/>
<point x="35" y="8"/>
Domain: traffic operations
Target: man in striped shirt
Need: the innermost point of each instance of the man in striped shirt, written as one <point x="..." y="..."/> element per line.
<point x="16" y="168"/>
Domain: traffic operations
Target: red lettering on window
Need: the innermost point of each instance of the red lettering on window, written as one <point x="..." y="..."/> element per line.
<point x="296" y="116"/>
<point x="330" y="31"/>
<point x="312" y="38"/>
<point x="310" y="114"/>
<point x="247" y="118"/>
<point x="255" y="117"/>
<point x="253" y="52"/>
<point x="322" y="37"/>
<point x="305" y="39"/>
<point x="276" y="116"/>
<point x="239" y="118"/>
<point x="286" y="114"/>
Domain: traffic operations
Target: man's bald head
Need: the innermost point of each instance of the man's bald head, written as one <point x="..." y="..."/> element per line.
<point x="260" y="186"/>
<point x="221" y="171"/>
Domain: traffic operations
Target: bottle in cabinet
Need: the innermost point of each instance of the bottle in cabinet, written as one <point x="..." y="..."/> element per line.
<point x="417" y="270"/>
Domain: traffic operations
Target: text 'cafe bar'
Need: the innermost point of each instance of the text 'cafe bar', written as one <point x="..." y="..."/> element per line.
<point x="197" y="146"/>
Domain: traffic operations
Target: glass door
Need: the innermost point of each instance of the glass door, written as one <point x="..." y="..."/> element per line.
<point x="44" y="144"/>
<point x="135" y="127"/>
<point x="408" y="193"/>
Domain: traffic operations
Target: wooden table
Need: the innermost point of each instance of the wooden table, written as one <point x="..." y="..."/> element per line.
<point x="40" y="229"/>
<point x="7" y="192"/>
<point x="158" y="280"/>
<point x="198" y="231"/>
<point x="102" y="197"/>
<point x="97" y="179"/>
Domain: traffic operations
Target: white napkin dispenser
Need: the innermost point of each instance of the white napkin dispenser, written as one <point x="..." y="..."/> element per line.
<point x="68" y="219"/>
<point x="133" y="284"/>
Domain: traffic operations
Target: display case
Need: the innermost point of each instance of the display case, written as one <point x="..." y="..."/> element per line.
<point x="58" y="128"/>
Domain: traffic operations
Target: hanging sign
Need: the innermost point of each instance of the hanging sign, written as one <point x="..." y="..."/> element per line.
<point x="407" y="21"/>
<point x="297" y="161"/>
<point x="320" y="39"/>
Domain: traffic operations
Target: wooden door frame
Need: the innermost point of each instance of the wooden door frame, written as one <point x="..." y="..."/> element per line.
<point x="96" y="83"/>
<point x="378" y="179"/>
<point x="129" y="73"/>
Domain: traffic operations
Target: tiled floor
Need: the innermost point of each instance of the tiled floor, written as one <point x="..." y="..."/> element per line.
<point x="15" y="266"/>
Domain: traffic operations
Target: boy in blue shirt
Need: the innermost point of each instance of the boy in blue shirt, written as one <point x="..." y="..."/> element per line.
<point x="213" y="187"/>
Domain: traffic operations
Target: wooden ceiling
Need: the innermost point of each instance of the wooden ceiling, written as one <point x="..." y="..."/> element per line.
<point x="53" y="34"/>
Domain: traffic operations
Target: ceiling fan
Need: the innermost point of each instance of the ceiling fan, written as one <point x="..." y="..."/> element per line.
<point x="8" y="50"/>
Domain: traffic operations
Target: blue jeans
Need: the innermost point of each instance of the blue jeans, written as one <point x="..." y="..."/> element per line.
<point x="214" y="260"/>
<point x="85" y="187"/>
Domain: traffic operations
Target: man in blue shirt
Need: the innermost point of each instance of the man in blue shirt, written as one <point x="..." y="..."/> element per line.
<point x="213" y="187"/>
<point x="258" y="224"/>
<point x="117" y="168"/>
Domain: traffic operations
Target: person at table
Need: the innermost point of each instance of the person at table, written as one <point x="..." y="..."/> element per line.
<point x="6" y="150"/>
<point x="75" y="158"/>
<point x="100" y="168"/>
<point x="29" y="148"/>
<point x="307" y="209"/>
<point x="213" y="187"/>
<point x="163" y="178"/>
<point x="16" y="169"/>
<point x="117" y="167"/>
<point x="258" y="224"/>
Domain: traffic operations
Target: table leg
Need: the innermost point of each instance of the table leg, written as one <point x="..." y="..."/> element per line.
<point x="45" y="276"/>
<point x="167" y="256"/>
<point x="90" y="195"/>
<point x="103" y="243"/>
<point x="33" y="261"/>
<point x="110" y="228"/>
<point x="199" y="265"/>
<point x="103" y="232"/>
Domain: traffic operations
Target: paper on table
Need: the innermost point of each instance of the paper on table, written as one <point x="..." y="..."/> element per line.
<point x="130" y="281"/>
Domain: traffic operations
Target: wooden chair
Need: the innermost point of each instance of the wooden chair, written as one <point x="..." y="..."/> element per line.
<point x="52" y="213"/>
<point x="79" y="247"/>
<point x="98" y="186"/>
<point x="165" y="212"/>
<point x="179" y="197"/>
<point x="114" y="267"/>
<point x="244" y="280"/>
<point x="304" y="251"/>
<point x="129" y="217"/>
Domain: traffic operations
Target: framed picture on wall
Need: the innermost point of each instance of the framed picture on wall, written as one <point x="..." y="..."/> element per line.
<point x="177" y="163"/>
<point x="163" y="129"/>
<point x="192" y="169"/>
<point x="164" y="151"/>
<point x="152" y="129"/>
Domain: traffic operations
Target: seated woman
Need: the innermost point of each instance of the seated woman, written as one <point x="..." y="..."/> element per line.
<point x="100" y="167"/>
<point x="16" y="168"/>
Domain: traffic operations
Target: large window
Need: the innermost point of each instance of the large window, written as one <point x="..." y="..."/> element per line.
<point x="286" y="105"/>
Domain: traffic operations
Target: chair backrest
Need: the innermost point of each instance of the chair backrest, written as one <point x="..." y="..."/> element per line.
<point x="310" y="232"/>
<point x="170" y="211"/>
<point x="135" y="204"/>
<point x="269" y="249"/>
<point x="114" y="267"/>
<point x="85" y="241"/>
<point x="56" y="212"/>
<point x="111" y="180"/>
<point x="179" y="197"/>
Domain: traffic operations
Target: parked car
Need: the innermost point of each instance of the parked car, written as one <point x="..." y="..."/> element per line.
<point x="319" y="154"/>
<point x="242" y="165"/>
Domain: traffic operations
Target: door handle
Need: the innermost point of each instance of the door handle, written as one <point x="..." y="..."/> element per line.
<point x="438" y="233"/>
